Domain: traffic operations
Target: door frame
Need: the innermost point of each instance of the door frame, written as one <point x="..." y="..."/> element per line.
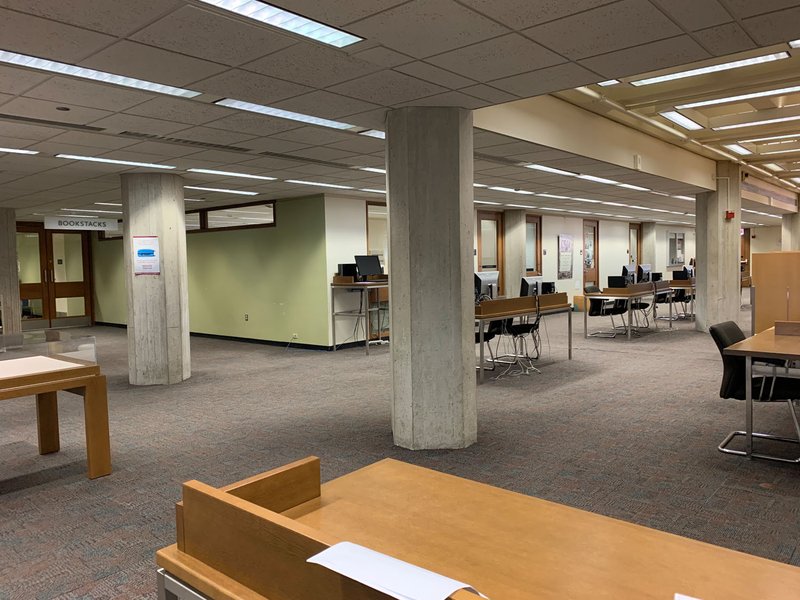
<point x="596" y="225"/>
<point x="638" y="228"/>
<point x="497" y="216"/>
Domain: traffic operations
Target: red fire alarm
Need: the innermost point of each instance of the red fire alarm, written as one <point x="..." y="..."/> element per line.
<point x="729" y="214"/>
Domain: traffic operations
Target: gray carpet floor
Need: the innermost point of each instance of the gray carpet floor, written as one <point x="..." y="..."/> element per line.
<point x="626" y="429"/>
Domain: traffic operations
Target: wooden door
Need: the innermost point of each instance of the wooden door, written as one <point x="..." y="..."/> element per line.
<point x="490" y="243"/>
<point x="591" y="274"/>
<point x="635" y="244"/>
<point x="33" y="276"/>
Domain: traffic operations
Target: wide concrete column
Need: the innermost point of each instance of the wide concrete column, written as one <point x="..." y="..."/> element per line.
<point x="430" y="169"/>
<point x="718" y="247"/>
<point x="515" y="231"/>
<point x="649" y="245"/>
<point x="9" y="273"/>
<point x="158" y="305"/>
<point x="790" y="232"/>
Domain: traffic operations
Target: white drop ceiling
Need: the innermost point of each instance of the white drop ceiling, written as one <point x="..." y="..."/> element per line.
<point x="469" y="53"/>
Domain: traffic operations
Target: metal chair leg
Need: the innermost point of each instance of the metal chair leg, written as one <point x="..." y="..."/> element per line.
<point x="765" y="436"/>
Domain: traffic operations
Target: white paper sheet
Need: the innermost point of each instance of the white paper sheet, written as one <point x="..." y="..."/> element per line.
<point x="32" y="365"/>
<point x="386" y="574"/>
<point x="683" y="597"/>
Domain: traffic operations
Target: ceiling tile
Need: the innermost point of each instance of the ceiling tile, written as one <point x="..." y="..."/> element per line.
<point x="272" y="163"/>
<point x="388" y="88"/>
<point x="544" y="81"/>
<point x="270" y="144"/>
<point x="422" y="70"/>
<point x="749" y="8"/>
<point x="648" y="57"/>
<point x="383" y="57"/>
<point x="425" y="27"/>
<point x="179" y="110"/>
<point x="5" y="98"/>
<point x="67" y="90"/>
<point x="448" y="99"/>
<point x="28" y="132"/>
<point x="519" y="14"/>
<point x="773" y="28"/>
<point x="46" y="110"/>
<point x="374" y="119"/>
<point x="360" y="144"/>
<point x="98" y="140"/>
<point x="336" y="12"/>
<point x="253" y="123"/>
<point x="490" y="94"/>
<point x="724" y="39"/>
<point x="500" y="57"/>
<point x="163" y="149"/>
<point x="483" y="139"/>
<point x="47" y="39"/>
<point x="312" y="64"/>
<point x="198" y="32"/>
<point x="220" y="156"/>
<point x="212" y="136"/>
<point x="122" y="122"/>
<point x="314" y="135"/>
<point x="252" y="87"/>
<point x="321" y="153"/>
<point x="152" y="64"/>
<point x="605" y="29"/>
<point x="693" y="15"/>
<point x="325" y="104"/>
<point x="16" y="81"/>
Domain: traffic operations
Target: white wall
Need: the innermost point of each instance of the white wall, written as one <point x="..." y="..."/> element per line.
<point x="662" y="248"/>
<point x="765" y="239"/>
<point x="552" y="227"/>
<point x="345" y="237"/>
<point x="614" y="241"/>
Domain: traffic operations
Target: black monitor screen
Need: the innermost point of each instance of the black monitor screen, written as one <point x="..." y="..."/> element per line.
<point x="683" y="274"/>
<point x="486" y="283"/>
<point x="369" y="265"/>
<point x="530" y="286"/>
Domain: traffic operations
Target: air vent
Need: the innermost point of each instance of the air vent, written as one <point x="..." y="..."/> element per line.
<point x="173" y="140"/>
<point x="59" y="124"/>
<point x="314" y="161"/>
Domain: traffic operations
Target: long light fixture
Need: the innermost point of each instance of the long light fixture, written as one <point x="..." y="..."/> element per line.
<point x="630" y="186"/>
<point x="52" y="66"/>
<point x="740" y="97"/>
<point x="374" y="133"/>
<point x="111" y="161"/>
<point x="608" y="83"/>
<point x="520" y="206"/>
<point x="93" y="210"/>
<point x="509" y="190"/>
<point x="598" y="179"/>
<point x="736" y="64"/>
<point x="282" y="114"/>
<point x="108" y="203"/>
<point x="754" y="123"/>
<point x="318" y="184"/>
<point x="288" y="21"/>
<point x="221" y="190"/>
<point x="740" y="150"/>
<point x="373" y="170"/>
<point x="681" y="120"/>
<point x="231" y="174"/>
<point x="486" y="202"/>
<point x="18" y="151"/>
<point x="372" y="190"/>
<point x="773" y="167"/>
<point x="791" y="150"/>
<point x="794" y="44"/>
<point x="553" y="170"/>
<point x="770" y="138"/>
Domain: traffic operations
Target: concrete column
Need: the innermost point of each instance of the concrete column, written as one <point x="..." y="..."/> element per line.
<point x="790" y="232"/>
<point x="718" y="247"/>
<point x="9" y="273"/>
<point x="514" y="242"/>
<point x="430" y="169"/>
<point x="158" y="305"/>
<point x="649" y="246"/>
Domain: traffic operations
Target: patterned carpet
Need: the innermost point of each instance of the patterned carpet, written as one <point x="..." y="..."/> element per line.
<point x="628" y="430"/>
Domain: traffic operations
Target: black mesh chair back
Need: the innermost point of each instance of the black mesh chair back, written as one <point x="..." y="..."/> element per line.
<point x="733" y="380"/>
<point x="595" y="304"/>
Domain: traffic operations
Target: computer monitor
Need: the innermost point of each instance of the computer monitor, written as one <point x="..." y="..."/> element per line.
<point x="629" y="271"/>
<point x="548" y="287"/>
<point x="656" y="276"/>
<point x="618" y="281"/>
<point x="530" y="286"/>
<point x="348" y="269"/>
<point x="486" y="283"/>
<point x="682" y="275"/>
<point x="643" y="273"/>
<point x="369" y="265"/>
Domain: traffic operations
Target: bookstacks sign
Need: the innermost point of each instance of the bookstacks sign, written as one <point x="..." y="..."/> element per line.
<point x="81" y="223"/>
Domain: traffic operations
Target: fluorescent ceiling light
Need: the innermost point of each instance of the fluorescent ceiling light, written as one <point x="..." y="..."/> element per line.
<point x="614" y="204"/>
<point x="736" y="64"/>
<point x="487" y="202"/>
<point x="127" y="163"/>
<point x="579" y="212"/>
<point x="741" y="97"/>
<point x="381" y="135"/>
<point x="608" y="83"/>
<point x="221" y="190"/>
<point x="554" y="196"/>
<point x="373" y="170"/>
<point x="318" y="184"/>
<point x="658" y="193"/>
<point x="519" y="206"/>
<point x="479" y="185"/>
<point x="288" y="21"/>
<point x="108" y="203"/>
<point x="547" y="169"/>
<point x="689" y="198"/>
<point x="231" y="174"/>
<point x="374" y="191"/>
<point x="790" y="136"/>
<point x="754" y="123"/>
<point x="589" y="200"/>
<point x="498" y="188"/>
<point x="110" y="212"/>
<point x="740" y="150"/>
<point x="679" y="119"/>
<point x="781" y="151"/>
<point x="282" y="114"/>
<point x="18" y="151"/>
<point x="551" y="208"/>
<point x="773" y="167"/>
<point x="598" y="179"/>
<point x="52" y="66"/>
<point x="794" y="44"/>
<point x="193" y="200"/>
<point x="79" y="216"/>
<point x="630" y="186"/>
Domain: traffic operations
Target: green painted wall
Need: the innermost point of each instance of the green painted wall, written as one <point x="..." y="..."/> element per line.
<point x="275" y="275"/>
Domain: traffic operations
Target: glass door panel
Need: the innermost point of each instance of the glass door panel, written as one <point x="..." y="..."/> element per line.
<point x="69" y="291"/>
<point x="590" y="253"/>
<point x="32" y="285"/>
<point x="490" y="244"/>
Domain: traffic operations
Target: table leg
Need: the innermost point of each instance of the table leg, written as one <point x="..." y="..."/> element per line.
<point x="480" y="343"/>
<point x="748" y="417"/>
<point x="585" y="318"/>
<point x="630" y="314"/>
<point x="98" y="445"/>
<point x="365" y="304"/>
<point x="333" y="318"/>
<point x="569" y="332"/>
<point x="47" y="422"/>
<point x="671" y="294"/>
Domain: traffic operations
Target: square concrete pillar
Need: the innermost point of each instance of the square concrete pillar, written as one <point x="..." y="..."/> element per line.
<point x="790" y="232"/>
<point x="430" y="172"/>
<point x="9" y="274"/>
<point x="718" y="249"/>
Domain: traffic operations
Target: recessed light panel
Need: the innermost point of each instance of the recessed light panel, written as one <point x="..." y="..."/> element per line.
<point x="17" y="151"/>
<point x="681" y="120"/>
<point x="231" y="174"/>
<point x="318" y="184"/>
<point x="221" y="190"/>
<point x="111" y="161"/>
<point x="741" y="97"/>
<point x="736" y="64"/>
<point x="740" y="150"/>
<point x="282" y="114"/>
<point x="375" y="133"/>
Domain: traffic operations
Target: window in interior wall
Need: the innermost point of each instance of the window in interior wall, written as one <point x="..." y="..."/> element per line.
<point x="251" y="215"/>
<point x="676" y="251"/>
<point x="377" y="232"/>
<point x="533" y="245"/>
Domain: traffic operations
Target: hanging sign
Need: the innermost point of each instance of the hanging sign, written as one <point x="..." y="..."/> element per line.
<point x="146" y="256"/>
<point x="81" y="223"/>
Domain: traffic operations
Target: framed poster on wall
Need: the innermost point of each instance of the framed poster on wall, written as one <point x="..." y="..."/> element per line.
<point x="146" y="255"/>
<point x="565" y="256"/>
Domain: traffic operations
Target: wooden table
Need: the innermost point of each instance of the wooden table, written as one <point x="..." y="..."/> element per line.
<point x="763" y="345"/>
<point x="690" y="287"/>
<point x="507" y="545"/>
<point x="634" y="292"/>
<point x="44" y="377"/>
<point x="363" y="287"/>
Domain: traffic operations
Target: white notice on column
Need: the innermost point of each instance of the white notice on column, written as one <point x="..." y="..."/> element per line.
<point x="146" y="259"/>
<point x="391" y="576"/>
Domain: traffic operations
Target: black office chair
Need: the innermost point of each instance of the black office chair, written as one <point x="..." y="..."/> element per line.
<point x="734" y="382"/>
<point x="641" y="307"/>
<point x="598" y="307"/>
<point x="520" y="332"/>
<point x="495" y="328"/>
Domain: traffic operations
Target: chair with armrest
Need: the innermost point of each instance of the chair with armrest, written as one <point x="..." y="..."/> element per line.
<point x="494" y="329"/>
<point x="599" y="307"/>
<point x="733" y="386"/>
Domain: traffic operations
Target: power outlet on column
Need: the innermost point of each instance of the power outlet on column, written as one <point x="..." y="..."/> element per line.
<point x="246" y="317"/>
<point x="294" y="336"/>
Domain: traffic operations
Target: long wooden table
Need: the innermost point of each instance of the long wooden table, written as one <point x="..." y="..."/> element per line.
<point x="629" y="294"/>
<point x="250" y="541"/>
<point x="44" y="377"/>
